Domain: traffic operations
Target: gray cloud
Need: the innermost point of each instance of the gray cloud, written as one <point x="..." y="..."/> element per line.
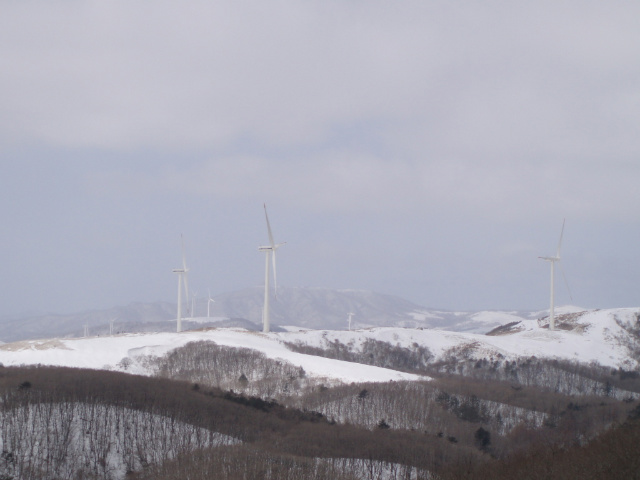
<point x="429" y="149"/>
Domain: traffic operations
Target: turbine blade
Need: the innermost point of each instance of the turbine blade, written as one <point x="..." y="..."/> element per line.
<point x="184" y="258"/>
<point x="271" y="242"/>
<point x="560" y="241"/>
<point x="565" y="281"/>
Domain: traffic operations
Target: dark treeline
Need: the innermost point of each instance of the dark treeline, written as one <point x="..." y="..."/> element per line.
<point x="492" y="405"/>
<point x="612" y="455"/>
<point x="562" y="376"/>
<point x="413" y="359"/>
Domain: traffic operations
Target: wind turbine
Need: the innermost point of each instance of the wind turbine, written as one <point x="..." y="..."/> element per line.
<point x="350" y="316"/>
<point x="182" y="281"/>
<point x="209" y="304"/>
<point x="270" y="249"/>
<point x="553" y="260"/>
<point x="193" y="305"/>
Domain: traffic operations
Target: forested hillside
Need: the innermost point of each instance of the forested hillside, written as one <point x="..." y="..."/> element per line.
<point x="374" y="404"/>
<point x="213" y="408"/>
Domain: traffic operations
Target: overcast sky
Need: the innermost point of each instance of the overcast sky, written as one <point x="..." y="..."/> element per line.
<point x="428" y="149"/>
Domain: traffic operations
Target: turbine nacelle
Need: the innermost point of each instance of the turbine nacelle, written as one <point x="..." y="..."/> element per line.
<point x="271" y="247"/>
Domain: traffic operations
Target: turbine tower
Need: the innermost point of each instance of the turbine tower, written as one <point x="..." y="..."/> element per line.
<point x="270" y="251"/>
<point x="182" y="281"/>
<point x="552" y="261"/>
<point x="350" y="316"/>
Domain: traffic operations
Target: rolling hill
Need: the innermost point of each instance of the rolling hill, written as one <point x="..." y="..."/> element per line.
<point x="607" y="337"/>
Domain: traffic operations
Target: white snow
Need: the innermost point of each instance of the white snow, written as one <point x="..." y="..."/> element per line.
<point x="598" y="341"/>
<point x="107" y="352"/>
<point x="205" y="319"/>
<point x="597" y="338"/>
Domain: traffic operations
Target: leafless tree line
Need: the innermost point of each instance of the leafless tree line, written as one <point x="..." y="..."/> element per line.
<point x="560" y="376"/>
<point x="228" y="368"/>
<point x="43" y="438"/>
<point x="247" y="462"/>
<point x="414" y="358"/>
<point x="493" y="394"/>
<point x="630" y="340"/>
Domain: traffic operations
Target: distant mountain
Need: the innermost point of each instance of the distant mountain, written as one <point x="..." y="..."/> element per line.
<point x="317" y="308"/>
<point x="328" y="309"/>
<point x="134" y="317"/>
<point x="313" y="308"/>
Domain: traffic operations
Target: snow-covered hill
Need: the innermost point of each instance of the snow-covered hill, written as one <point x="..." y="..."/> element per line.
<point x="108" y="353"/>
<point x="609" y="337"/>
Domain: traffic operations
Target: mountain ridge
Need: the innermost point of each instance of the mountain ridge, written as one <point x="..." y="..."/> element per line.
<point x="305" y="307"/>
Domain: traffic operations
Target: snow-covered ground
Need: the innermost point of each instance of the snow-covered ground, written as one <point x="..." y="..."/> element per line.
<point x="107" y="352"/>
<point x="594" y="336"/>
<point x="478" y="322"/>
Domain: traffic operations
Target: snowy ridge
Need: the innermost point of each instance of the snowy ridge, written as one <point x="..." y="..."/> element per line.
<point x="591" y="336"/>
<point x="608" y="337"/>
<point x="108" y="353"/>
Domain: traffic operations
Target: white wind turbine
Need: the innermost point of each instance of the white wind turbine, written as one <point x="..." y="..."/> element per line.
<point x="193" y="305"/>
<point x="553" y="260"/>
<point x="182" y="281"/>
<point x="350" y="316"/>
<point x="209" y="305"/>
<point x="270" y="249"/>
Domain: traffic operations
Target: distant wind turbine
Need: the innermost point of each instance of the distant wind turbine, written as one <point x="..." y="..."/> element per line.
<point x="182" y="281"/>
<point x="350" y="316"/>
<point x="209" y="305"/>
<point x="270" y="251"/>
<point x="193" y="305"/>
<point x="553" y="260"/>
